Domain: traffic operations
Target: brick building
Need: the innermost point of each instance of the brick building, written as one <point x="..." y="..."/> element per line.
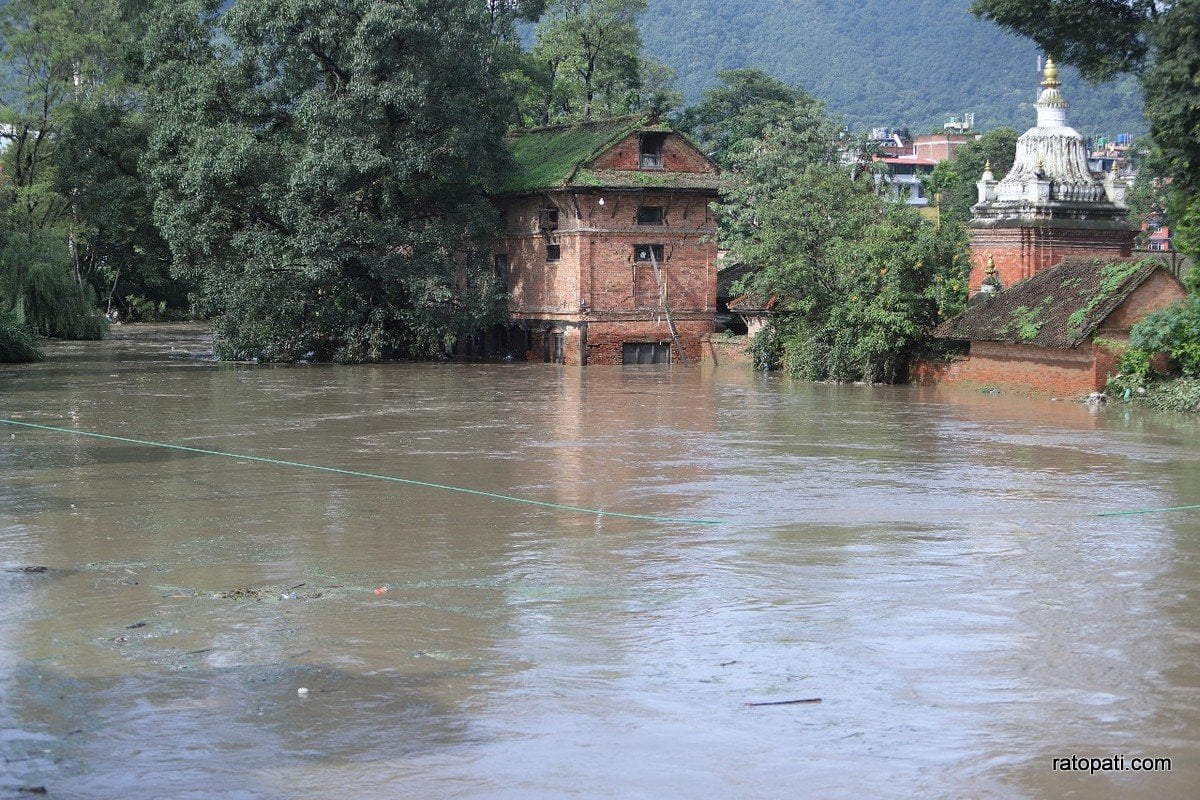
<point x="1049" y="205"/>
<point x="910" y="160"/>
<point x="1047" y="333"/>
<point x="1051" y="276"/>
<point x="608" y="248"/>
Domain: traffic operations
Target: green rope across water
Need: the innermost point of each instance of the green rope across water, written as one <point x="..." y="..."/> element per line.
<point x="1145" y="511"/>
<point x="356" y="474"/>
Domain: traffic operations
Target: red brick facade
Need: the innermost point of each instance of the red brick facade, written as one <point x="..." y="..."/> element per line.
<point x="580" y="276"/>
<point x="1022" y="252"/>
<point x="1026" y="368"/>
<point x="1060" y="371"/>
<point x="677" y="156"/>
<point x="939" y="146"/>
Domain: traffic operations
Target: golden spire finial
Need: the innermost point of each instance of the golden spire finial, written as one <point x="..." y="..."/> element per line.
<point x="987" y="167"/>
<point x="1050" y="75"/>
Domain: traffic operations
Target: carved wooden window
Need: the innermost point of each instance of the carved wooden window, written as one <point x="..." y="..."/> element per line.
<point x="650" y="150"/>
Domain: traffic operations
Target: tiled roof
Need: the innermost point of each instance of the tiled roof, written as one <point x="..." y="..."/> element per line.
<point x="1058" y="307"/>
<point x="753" y="304"/>
<point x="728" y="275"/>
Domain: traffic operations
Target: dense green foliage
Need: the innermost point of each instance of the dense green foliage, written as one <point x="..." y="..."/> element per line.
<point x="17" y="344"/>
<point x="52" y="53"/>
<point x="879" y="62"/>
<point x="1174" y="331"/>
<point x="743" y="105"/>
<point x="858" y="281"/>
<point x="320" y="170"/>
<point x="587" y="61"/>
<point x="1182" y="394"/>
<point x="955" y="178"/>
<point x="75" y="216"/>
<point x="119" y="251"/>
<point x="1101" y="37"/>
<point x="1173" y="108"/>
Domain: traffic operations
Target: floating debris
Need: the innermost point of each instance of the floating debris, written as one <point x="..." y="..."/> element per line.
<point x="786" y="702"/>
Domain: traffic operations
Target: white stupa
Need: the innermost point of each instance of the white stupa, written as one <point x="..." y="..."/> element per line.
<point x="1049" y="205"/>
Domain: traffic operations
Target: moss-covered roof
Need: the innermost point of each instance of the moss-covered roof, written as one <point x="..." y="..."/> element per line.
<point x="553" y="157"/>
<point x="1058" y="307"/>
<point x="630" y="179"/>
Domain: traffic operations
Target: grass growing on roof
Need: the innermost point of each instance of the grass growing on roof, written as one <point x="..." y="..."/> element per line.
<point x="546" y="157"/>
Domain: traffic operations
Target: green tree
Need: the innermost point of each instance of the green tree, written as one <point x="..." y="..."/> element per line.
<point x="655" y="90"/>
<point x="118" y="249"/>
<point x="954" y="179"/>
<point x="742" y="106"/>
<point x="54" y="54"/>
<point x="858" y="281"/>
<point x="1173" y="108"/>
<point x="586" y="58"/>
<point x="519" y="74"/>
<point x="321" y="168"/>
<point x="1100" y="37"/>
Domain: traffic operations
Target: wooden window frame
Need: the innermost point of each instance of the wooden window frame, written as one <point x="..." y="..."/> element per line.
<point x="646" y="249"/>
<point x="641" y="217"/>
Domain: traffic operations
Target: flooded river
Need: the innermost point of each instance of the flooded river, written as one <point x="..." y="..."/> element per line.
<point x="929" y="564"/>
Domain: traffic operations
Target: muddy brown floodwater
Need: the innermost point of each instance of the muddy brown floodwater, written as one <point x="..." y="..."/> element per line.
<point x="929" y="564"/>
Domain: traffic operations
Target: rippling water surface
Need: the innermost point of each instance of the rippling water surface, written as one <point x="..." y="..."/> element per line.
<point x="928" y="564"/>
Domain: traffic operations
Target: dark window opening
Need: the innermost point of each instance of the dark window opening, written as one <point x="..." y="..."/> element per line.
<point x="650" y="150"/>
<point x="500" y="267"/>
<point x="553" y="252"/>
<point x="646" y="353"/>
<point x="648" y="252"/>
<point x="547" y="219"/>
<point x="650" y="215"/>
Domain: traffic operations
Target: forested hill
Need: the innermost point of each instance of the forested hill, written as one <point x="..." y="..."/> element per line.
<point x="879" y="62"/>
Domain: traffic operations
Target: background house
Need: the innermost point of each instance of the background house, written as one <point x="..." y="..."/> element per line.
<point x="909" y="159"/>
<point x="608" y="248"/>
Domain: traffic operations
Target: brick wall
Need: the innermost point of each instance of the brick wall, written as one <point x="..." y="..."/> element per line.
<point x="605" y="339"/>
<point x="597" y="267"/>
<point x="939" y="146"/>
<point x="1022" y="368"/>
<point x="725" y="352"/>
<point x="1020" y="253"/>
<point x="678" y="156"/>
